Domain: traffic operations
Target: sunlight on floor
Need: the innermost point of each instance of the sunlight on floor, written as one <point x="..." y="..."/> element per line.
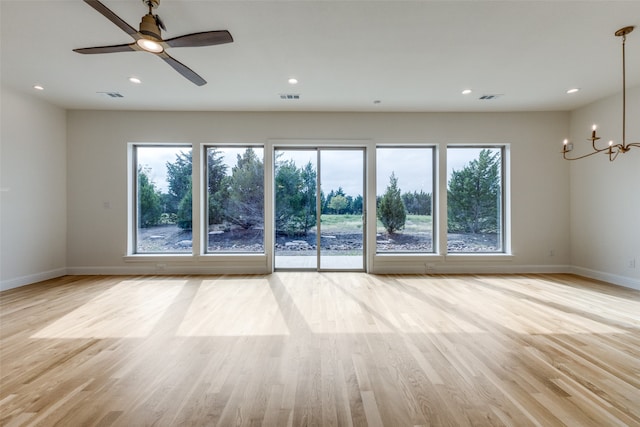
<point x="136" y="308"/>
<point x="247" y="306"/>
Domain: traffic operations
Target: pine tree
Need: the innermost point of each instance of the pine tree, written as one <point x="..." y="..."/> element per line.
<point x="216" y="185"/>
<point x="179" y="179"/>
<point x="185" y="218"/>
<point x="473" y="195"/>
<point x="246" y="191"/>
<point x="391" y="210"/>
<point x="149" y="201"/>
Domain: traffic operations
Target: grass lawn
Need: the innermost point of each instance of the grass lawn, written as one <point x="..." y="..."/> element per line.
<point x="341" y="223"/>
<point x="353" y="224"/>
<point x="413" y="224"/>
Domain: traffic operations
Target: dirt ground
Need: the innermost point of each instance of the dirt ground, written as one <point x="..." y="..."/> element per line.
<point x="170" y="238"/>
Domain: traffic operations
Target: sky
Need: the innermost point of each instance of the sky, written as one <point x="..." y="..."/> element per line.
<point x="339" y="168"/>
<point x="413" y="167"/>
<point x="155" y="158"/>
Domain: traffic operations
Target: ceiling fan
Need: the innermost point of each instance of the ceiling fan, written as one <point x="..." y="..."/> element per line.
<point x="149" y="39"/>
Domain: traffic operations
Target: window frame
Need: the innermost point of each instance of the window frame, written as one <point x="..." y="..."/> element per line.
<point x="504" y="220"/>
<point x="204" y="199"/>
<point x="132" y="209"/>
<point x="434" y="198"/>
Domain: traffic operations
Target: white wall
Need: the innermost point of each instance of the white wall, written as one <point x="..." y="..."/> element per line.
<point x="33" y="197"/>
<point x="605" y="196"/>
<point x="97" y="174"/>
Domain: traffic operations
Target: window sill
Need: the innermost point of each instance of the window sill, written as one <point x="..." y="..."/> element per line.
<point x="409" y="255"/>
<point x="230" y="256"/>
<point x="159" y="258"/>
<point x="480" y="257"/>
<point x="223" y="257"/>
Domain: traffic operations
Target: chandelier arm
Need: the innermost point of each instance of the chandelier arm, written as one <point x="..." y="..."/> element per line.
<point x="606" y="148"/>
<point x="564" y="154"/>
<point x="613" y="157"/>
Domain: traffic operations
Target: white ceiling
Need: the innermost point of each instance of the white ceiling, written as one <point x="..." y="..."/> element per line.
<point x="409" y="55"/>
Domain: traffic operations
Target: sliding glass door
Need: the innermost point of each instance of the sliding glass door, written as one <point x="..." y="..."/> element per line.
<point x="319" y="209"/>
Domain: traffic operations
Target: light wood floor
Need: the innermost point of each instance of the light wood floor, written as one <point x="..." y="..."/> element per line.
<point x="320" y="349"/>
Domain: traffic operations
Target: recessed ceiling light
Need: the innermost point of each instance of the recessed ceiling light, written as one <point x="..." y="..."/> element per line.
<point x="135" y="80"/>
<point x="573" y="90"/>
<point x="38" y="87"/>
<point x="293" y="81"/>
<point x="466" y="91"/>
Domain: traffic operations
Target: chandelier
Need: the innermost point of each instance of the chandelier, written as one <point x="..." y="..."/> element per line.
<point x="612" y="150"/>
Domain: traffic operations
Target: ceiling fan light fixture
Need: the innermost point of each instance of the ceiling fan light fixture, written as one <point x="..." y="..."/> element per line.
<point x="149" y="39"/>
<point x="150" y="45"/>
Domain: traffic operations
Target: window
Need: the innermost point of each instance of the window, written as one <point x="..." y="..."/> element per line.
<point x="475" y="194"/>
<point x="162" y="199"/>
<point x="404" y="202"/>
<point x="235" y="199"/>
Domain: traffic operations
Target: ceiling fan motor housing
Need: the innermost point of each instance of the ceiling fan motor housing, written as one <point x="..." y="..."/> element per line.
<point x="149" y="27"/>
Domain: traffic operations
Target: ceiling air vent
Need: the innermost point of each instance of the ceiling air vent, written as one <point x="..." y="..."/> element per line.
<point x="490" y="96"/>
<point x="111" y="94"/>
<point x="289" y="96"/>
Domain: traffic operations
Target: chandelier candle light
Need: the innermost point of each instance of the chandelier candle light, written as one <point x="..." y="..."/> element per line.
<point x="612" y="150"/>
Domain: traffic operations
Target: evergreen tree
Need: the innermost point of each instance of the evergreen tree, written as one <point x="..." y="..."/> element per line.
<point x="473" y="195"/>
<point x="357" y="205"/>
<point x="295" y="198"/>
<point x="245" y="206"/>
<point x="179" y="179"/>
<point x="327" y="202"/>
<point x="149" y="201"/>
<point x="308" y="193"/>
<point x="216" y="185"/>
<point x="417" y="203"/>
<point x="289" y="199"/>
<point x="185" y="219"/>
<point x="391" y="210"/>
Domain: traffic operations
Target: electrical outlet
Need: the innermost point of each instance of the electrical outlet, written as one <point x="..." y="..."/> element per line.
<point x="632" y="263"/>
<point x="552" y="252"/>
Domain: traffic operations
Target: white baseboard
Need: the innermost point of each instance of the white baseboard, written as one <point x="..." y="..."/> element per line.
<point x="166" y="270"/>
<point x="31" y="278"/>
<point x="627" y="282"/>
<point x="476" y="268"/>
<point x="615" y="279"/>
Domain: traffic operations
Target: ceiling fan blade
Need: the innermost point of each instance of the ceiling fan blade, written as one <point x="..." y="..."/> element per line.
<point x="187" y="72"/>
<point x="107" y="13"/>
<point x="108" y="49"/>
<point x="206" y="38"/>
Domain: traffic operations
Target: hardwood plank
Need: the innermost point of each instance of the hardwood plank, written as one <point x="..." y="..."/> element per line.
<point x="330" y="349"/>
